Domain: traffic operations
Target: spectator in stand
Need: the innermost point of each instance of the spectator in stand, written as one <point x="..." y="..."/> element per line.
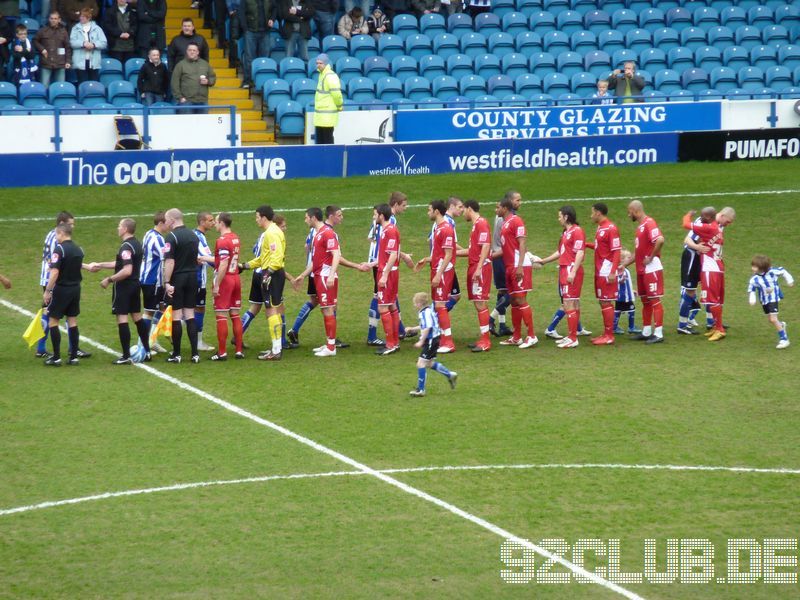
<point x="150" y="31"/>
<point x="353" y="23"/>
<point x="191" y="79"/>
<point x="9" y="8"/>
<point x="378" y="23"/>
<point x="255" y="18"/>
<point x="55" y="53"/>
<point x="70" y="11"/>
<point x="153" y="81"/>
<point x="325" y="16"/>
<point x="296" y="30"/>
<point x="392" y="8"/>
<point x="601" y="96"/>
<point x="452" y="6"/>
<point x="364" y="5"/>
<point x="177" y="47"/>
<point x="426" y="7"/>
<point x="6" y="33"/>
<point x="87" y="40"/>
<point x="23" y="55"/>
<point x="119" y="25"/>
<point x="627" y="85"/>
<point x="476" y="7"/>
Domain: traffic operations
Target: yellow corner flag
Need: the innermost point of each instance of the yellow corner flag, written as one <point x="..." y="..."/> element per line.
<point x="164" y="326"/>
<point x="35" y="331"/>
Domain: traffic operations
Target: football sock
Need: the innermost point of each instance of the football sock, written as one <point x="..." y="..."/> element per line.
<point x="716" y="312"/>
<point x="658" y="313"/>
<point x="305" y="310"/>
<point x="782" y="333"/>
<point x="222" y="332"/>
<point x="284" y="343"/>
<point x="516" y="321"/>
<point x="372" y="332"/>
<point x="192" y="333"/>
<point x="422" y="375"/>
<point x="55" y="339"/>
<point x="125" y="339"/>
<point x="177" y="334"/>
<point x="147" y="322"/>
<point x="330" y="331"/>
<point x="397" y="326"/>
<point x="246" y="319"/>
<point x="617" y="315"/>
<point x="572" y="324"/>
<point x="388" y="328"/>
<point x="274" y="325"/>
<point x="693" y="313"/>
<point x="557" y="316"/>
<point x="632" y="319"/>
<point x="526" y="315"/>
<point x="143" y="329"/>
<point x="503" y="301"/>
<point x="238" y="331"/>
<point x="444" y="324"/>
<point x="199" y="317"/>
<point x="451" y="303"/>
<point x="647" y="312"/>
<point x="440" y="368"/>
<point x="647" y="330"/>
<point x="685" y="308"/>
<point x="659" y="331"/>
<point x="42" y="346"/>
<point x="74" y="339"/>
<point x="709" y="316"/>
<point x="483" y="323"/>
<point x="609" y="319"/>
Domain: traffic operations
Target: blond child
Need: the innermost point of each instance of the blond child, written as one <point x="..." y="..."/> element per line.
<point x="764" y="288"/>
<point x="429" y="333"/>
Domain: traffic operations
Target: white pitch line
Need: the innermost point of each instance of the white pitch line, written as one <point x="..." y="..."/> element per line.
<point x="369" y="207"/>
<point x="447" y="468"/>
<point x="499" y="531"/>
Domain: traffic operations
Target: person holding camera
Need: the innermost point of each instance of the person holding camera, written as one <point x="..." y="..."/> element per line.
<point x="627" y="85"/>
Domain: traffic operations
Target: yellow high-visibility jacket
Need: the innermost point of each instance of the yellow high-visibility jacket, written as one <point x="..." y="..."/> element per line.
<point x="328" y="99"/>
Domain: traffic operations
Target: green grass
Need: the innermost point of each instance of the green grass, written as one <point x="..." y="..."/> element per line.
<point x="96" y="428"/>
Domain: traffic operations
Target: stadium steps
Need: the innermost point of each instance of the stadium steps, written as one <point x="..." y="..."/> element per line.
<point x="255" y="129"/>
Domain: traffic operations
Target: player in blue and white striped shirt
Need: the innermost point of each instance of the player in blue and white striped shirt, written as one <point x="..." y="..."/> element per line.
<point x="205" y="223"/>
<point x="151" y="276"/>
<point x="625" y="298"/>
<point x="765" y="288"/>
<point x="429" y="334"/>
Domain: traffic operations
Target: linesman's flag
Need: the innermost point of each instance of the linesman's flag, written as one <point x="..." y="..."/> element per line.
<point x="35" y="331"/>
<point x="164" y="326"/>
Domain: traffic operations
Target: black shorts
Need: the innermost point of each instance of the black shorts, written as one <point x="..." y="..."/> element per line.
<point x="185" y="293"/>
<point x="499" y="274"/>
<point x="256" y="295"/>
<point x="455" y="290"/>
<point x="201" y="297"/>
<point x="126" y="298"/>
<point x="430" y="348"/>
<point x="374" y="280"/>
<point x="311" y="290"/>
<point x="770" y="308"/>
<point x="66" y="301"/>
<point x="624" y="306"/>
<point x="152" y="296"/>
<point x="273" y="294"/>
<point x="690" y="269"/>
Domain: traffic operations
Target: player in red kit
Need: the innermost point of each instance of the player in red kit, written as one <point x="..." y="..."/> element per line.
<point x="388" y="279"/>
<point x="479" y="270"/>
<point x="607" y="247"/>
<point x="649" y="273"/>
<point x="570" y="254"/>
<point x="519" y="274"/>
<point x="712" y="268"/>
<point x="227" y="287"/>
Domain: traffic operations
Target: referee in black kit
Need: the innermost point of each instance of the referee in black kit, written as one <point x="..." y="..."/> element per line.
<point x="180" y="277"/>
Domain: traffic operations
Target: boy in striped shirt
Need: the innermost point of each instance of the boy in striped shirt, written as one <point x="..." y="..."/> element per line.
<point x="625" y="298"/>
<point x="764" y="287"/>
<point x="429" y="333"/>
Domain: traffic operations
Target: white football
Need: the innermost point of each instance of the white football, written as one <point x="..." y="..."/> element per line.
<point x="137" y="353"/>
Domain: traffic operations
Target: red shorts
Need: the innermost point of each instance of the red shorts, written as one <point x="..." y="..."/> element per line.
<point x="570" y="291"/>
<point x="713" y="290"/>
<point x="442" y="292"/>
<point x="650" y="285"/>
<point x="388" y="294"/>
<point x="479" y="291"/>
<point x="327" y="296"/>
<point x="514" y="285"/>
<point x="605" y="291"/>
<point x="230" y="294"/>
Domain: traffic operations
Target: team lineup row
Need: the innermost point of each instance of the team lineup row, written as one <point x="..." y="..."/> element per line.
<point x="170" y="267"/>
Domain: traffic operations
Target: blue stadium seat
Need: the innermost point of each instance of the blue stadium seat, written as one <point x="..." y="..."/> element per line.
<point x="528" y="7"/>
<point x="502" y="85"/>
<point x="706" y="17"/>
<point x="789" y="56"/>
<point x="304" y="90"/>
<point x="273" y="93"/>
<point x="459" y="65"/>
<point x="389" y="88"/>
<point x="750" y="78"/>
<point x="708" y="57"/>
<point x="638" y="40"/>
<point x="528" y="85"/>
<point x="405" y="25"/>
<point x="314" y="49"/>
<point x="59" y="94"/>
<point x="760" y="16"/>
<point x="361" y="89"/>
<point x="503" y="7"/>
<point x="431" y="103"/>
<point x="501" y="43"/>
<point x="638" y="6"/>
<point x="445" y="45"/>
<point x="542" y="22"/>
<point x="776" y="35"/>
<point x="680" y="58"/>
<point x="528" y="42"/>
<point x="598" y="63"/>
<point x="390" y="45"/>
<point x="610" y="6"/>
<point x="335" y="46"/>
<point x="376" y="67"/>
<point x="652" y="19"/>
<point x="569" y="99"/>
<point x="555" y="42"/>
<point x="610" y="41"/>
<point x="555" y="84"/>
<point x="32" y="24"/>
<point x="620" y="57"/>
<point x="431" y="67"/>
<point x="646" y="75"/>
<point x="556" y="6"/>
<point x="487" y="65"/>
<point x="569" y="63"/>
<point x="710" y="94"/>
<point x="541" y="100"/>
<point x="654" y="96"/>
<point x="459" y="23"/>
<point x="681" y="96"/>
<point x="416" y="88"/>
<point x="514" y="101"/>
<point x="362" y="47"/>
<point x="569" y="21"/>
<point x="583" y="41"/>
<point x="132" y="67"/>
<point x="747" y="36"/>
<point x="736" y="57"/>
<point x="732" y="17"/>
<point x="403" y="104"/>
<point x="667" y="80"/>
<point x="678" y="18"/>
<point x="121" y="92"/>
<point x="666" y="38"/>
<point x="514" y="64"/>
<point x="404" y="67"/>
<point x="487" y="23"/>
<point x="432" y="25"/>
<point x="583" y="84"/>
<point x="777" y="78"/>
<point x="597" y="21"/>
<point x="542" y="63"/>
<point x="473" y="44"/>
<point x="444" y="87"/>
<point x="291" y="68"/>
<point x="8" y="94"/>
<point x="90" y="93"/>
<point x="290" y="118"/>
<point x="653" y="59"/>
<point x="787" y="15"/>
<point x="693" y="38"/>
<point x="260" y="70"/>
<point x="623" y="20"/>
<point x="583" y="6"/>
<point x="277" y="48"/>
<point x="738" y="94"/>
<point x="720" y="37"/>
<point x="418" y="45"/>
<point x="764" y="56"/>
<point x="694" y="80"/>
<point x="347" y="68"/>
<point x="77" y="109"/>
<point x="110" y="70"/>
<point x="792" y="93"/>
<point x="514" y="23"/>
<point x="723" y="79"/>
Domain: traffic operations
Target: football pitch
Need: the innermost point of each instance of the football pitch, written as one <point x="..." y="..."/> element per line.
<point x="321" y="477"/>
